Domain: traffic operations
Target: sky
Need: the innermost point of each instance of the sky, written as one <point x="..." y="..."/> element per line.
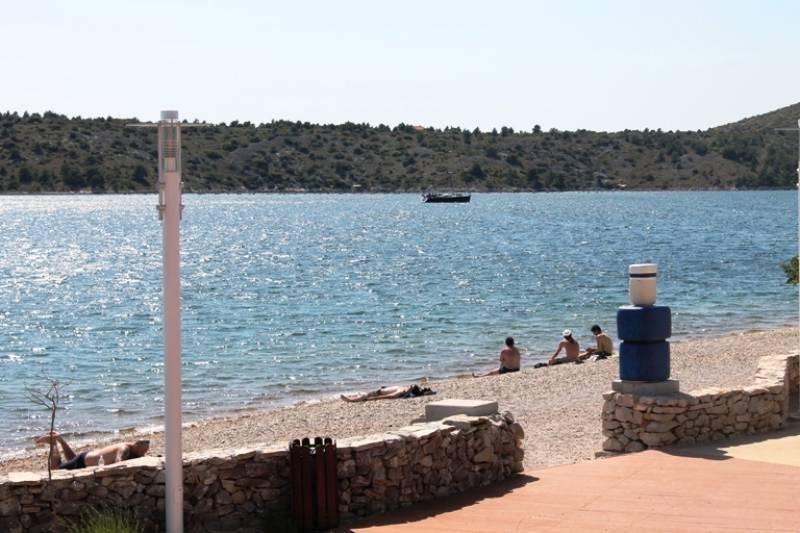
<point x="597" y="65"/>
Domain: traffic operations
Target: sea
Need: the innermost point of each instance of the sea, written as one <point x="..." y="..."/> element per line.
<point x="296" y="297"/>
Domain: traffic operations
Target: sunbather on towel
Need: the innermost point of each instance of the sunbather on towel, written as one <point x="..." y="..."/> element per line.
<point x="106" y="455"/>
<point x="389" y="393"/>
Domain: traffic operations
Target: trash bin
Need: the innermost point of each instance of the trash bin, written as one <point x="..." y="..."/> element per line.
<point x="315" y="496"/>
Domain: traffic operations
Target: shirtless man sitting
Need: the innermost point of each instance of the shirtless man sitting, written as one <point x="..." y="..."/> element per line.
<point x="571" y="349"/>
<point x="509" y="360"/>
<point x="605" y="346"/>
<point x="113" y="453"/>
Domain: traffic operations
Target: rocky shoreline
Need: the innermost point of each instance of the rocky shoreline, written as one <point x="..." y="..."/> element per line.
<point x="558" y="407"/>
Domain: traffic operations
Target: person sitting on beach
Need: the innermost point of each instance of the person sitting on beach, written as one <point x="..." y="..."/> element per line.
<point x="509" y="360"/>
<point x="604" y="349"/>
<point x="113" y="453"/>
<point x="571" y="349"/>
<point x="389" y="393"/>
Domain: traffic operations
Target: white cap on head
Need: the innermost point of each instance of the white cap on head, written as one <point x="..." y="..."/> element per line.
<point x="567" y="333"/>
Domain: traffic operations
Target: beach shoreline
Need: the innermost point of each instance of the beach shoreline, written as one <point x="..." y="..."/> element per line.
<point x="558" y="407"/>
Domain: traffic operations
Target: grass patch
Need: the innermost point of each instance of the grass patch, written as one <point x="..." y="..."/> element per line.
<point x="106" y="521"/>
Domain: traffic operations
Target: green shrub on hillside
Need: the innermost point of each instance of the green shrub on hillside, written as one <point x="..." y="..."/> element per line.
<point x="790" y="269"/>
<point x="55" y="153"/>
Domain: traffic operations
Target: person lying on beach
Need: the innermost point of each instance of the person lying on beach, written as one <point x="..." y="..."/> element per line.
<point x="113" y="453"/>
<point x="509" y="360"/>
<point x="389" y="393"/>
<point x="604" y="349"/>
<point x="571" y="349"/>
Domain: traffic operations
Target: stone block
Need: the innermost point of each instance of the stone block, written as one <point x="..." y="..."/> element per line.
<point x="668" y="410"/>
<point x="9" y="507"/>
<point x="632" y="434"/>
<point x="623" y="414"/>
<point x="25" y="478"/>
<point x="485" y="456"/>
<point x="656" y="439"/>
<point x="660" y="417"/>
<point x="634" y="446"/>
<point x="642" y="388"/>
<point x="369" y="442"/>
<point x="660" y="427"/>
<point x="445" y="408"/>
<point x="414" y="431"/>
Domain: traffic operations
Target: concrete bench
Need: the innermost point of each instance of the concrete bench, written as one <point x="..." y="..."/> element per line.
<point x="444" y="408"/>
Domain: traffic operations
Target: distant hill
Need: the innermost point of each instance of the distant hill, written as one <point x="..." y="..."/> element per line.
<point x="50" y="152"/>
<point x="785" y="117"/>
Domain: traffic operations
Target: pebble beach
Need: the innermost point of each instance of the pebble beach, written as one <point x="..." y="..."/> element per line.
<point x="558" y="407"/>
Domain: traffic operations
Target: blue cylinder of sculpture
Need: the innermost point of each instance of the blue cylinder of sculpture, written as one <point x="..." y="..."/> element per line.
<point x="644" y="328"/>
<point x="644" y="324"/>
<point x="644" y="361"/>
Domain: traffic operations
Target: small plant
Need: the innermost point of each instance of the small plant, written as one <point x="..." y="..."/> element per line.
<point x="106" y="521"/>
<point x="49" y="399"/>
<point x="790" y="269"/>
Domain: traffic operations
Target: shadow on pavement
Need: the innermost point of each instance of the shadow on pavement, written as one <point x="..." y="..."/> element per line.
<point x="716" y="449"/>
<point x="422" y="510"/>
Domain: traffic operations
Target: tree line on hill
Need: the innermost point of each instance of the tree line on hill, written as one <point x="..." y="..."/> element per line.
<point x="53" y="153"/>
<point x="790" y="268"/>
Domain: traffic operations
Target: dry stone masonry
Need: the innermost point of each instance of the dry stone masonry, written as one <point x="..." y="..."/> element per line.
<point x="249" y="489"/>
<point x="632" y="423"/>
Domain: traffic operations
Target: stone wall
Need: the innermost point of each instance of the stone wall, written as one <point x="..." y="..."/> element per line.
<point x="249" y="489"/>
<point x="632" y="423"/>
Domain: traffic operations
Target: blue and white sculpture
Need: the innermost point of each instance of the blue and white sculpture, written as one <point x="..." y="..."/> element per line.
<point x="644" y="329"/>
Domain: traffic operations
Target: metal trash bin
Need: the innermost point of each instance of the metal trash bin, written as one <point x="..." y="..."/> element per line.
<point x="315" y="494"/>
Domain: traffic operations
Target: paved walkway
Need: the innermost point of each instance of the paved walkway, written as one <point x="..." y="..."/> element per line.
<point x="704" y="489"/>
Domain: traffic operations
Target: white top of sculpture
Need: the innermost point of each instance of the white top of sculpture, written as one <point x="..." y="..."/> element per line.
<point x="642" y="284"/>
<point x="643" y="268"/>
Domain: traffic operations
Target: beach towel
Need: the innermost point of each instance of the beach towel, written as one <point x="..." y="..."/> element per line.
<point x="416" y="390"/>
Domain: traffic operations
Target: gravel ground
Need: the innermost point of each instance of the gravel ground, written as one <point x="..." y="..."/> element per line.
<point x="558" y="407"/>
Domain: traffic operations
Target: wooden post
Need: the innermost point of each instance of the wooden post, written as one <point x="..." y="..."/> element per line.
<point x="297" y="480"/>
<point x="308" y="493"/>
<point x="332" y="492"/>
<point x="321" y="507"/>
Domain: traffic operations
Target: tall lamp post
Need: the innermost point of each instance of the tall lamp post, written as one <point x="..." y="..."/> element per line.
<point x="170" y="209"/>
<point x="169" y="212"/>
<point x="796" y="415"/>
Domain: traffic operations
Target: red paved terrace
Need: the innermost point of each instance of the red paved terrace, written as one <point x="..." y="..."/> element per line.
<point x="653" y="491"/>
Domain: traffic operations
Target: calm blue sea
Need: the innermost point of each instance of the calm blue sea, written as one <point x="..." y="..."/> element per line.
<point x="287" y="297"/>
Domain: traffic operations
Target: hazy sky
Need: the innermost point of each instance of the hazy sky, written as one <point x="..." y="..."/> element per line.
<point x="596" y="65"/>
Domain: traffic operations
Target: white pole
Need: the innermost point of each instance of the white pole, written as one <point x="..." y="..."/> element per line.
<point x="169" y="156"/>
